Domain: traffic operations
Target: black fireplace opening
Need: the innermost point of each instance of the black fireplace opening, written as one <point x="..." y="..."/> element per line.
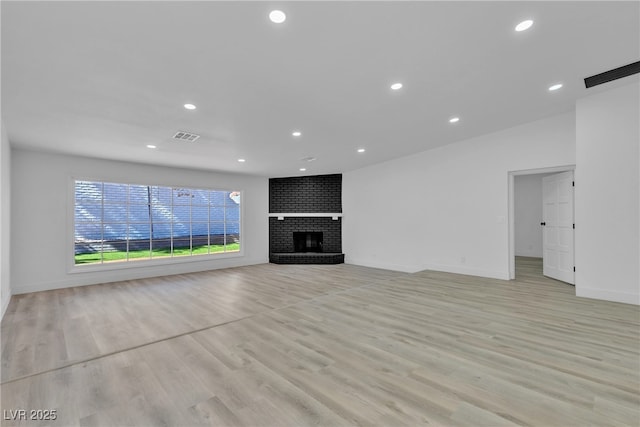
<point x="307" y="241"/>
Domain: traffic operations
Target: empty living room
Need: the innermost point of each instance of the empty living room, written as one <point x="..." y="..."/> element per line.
<point x="313" y="213"/>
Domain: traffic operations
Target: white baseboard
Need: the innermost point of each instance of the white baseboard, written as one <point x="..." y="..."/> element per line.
<point x="604" y="294"/>
<point x="382" y="265"/>
<point x="501" y="275"/>
<point x="5" y="305"/>
<point x="469" y="271"/>
<point x="73" y="280"/>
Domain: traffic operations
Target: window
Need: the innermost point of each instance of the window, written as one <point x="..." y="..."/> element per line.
<point x="123" y="222"/>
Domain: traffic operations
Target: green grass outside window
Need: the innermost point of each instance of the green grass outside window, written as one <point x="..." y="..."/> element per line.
<point x="157" y="253"/>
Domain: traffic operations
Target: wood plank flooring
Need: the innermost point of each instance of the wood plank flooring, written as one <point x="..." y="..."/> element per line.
<point x="330" y="345"/>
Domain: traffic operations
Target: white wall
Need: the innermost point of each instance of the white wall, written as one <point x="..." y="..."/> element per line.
<point x="5" y="222"/>
<point x="42" y="204"/>
<point x="446" y="209"/>
<point x="607" y="195"/>
<point x="528" y="215"/>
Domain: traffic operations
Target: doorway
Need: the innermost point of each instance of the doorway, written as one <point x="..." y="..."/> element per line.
<point x="533" y="196"/>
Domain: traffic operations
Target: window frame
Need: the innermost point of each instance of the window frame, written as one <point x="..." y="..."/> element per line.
<point x="72" y="267"/>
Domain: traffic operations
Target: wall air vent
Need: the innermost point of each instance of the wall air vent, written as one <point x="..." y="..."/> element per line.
<point x="615" y="74"/>
<point x="186" y="136"/>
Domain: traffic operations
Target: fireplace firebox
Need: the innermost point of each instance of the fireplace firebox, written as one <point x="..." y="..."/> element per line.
<point x="307" y="241"/>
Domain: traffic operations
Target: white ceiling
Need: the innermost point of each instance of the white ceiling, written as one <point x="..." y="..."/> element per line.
<point x="104" y="79"/>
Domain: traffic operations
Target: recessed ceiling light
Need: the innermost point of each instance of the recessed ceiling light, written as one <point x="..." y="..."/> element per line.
<point x="454" y="119"/>
<point x="361" y="150"/>
<point x="555" y="87"/>
<point x="151" y="146"/>
<point x="303" y="169"/>
<point x="277" y="16"/>
<point x="241" y="160"/>
<point x="296" y="133"/>
<point x="524" y="25"/>
<point x="189" y="106"/>
<point x="396" y="86"/>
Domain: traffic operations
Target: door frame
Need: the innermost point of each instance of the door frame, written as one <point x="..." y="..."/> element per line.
<point x="511" y="201"/>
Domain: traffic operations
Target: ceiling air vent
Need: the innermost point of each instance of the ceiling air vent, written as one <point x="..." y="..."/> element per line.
<point x="186" y="136"/>
<point x="615" y="74"/>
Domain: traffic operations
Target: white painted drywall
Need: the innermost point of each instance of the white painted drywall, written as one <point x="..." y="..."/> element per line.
<point x="42" y="203"/>
<point x="528" y="215"/>
<point x="607" y="195"/>
<point x="446" y="209"/>
<point x="5" y="222"/>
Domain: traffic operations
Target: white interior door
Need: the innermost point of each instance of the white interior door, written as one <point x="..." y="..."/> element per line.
<point x="558" y="228"/>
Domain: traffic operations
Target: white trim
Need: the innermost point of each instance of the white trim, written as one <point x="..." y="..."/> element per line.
<point x="152" y="262"/>
<point x="456" y="269"/>
<point x="118" y="275"/>
<point x="71" y="224"/>
<point x="380" y="265"/>
<point x="305" y="214"/>
<point x="603" y="294"/>
<point x="553" y="169"/>
<point x="511" y="208"/>
<point x="512" y="227"/>
<point x="411" y="269"/>
<point x="5" y="304"/>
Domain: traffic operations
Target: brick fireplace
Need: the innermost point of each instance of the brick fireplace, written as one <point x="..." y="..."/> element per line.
<point x="305" y="220"/>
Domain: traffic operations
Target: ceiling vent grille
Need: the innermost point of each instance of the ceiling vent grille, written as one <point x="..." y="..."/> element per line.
<point x="611" y="75"/>
<point x="186" y="136"/>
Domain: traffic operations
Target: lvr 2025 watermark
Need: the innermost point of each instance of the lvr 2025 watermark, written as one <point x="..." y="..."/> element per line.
<point x="30" y="414"/>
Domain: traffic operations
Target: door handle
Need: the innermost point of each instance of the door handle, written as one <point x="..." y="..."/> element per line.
<point x="543" y="223"/>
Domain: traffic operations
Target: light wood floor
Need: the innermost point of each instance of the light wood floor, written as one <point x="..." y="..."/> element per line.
<point x="286" y="345"/>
